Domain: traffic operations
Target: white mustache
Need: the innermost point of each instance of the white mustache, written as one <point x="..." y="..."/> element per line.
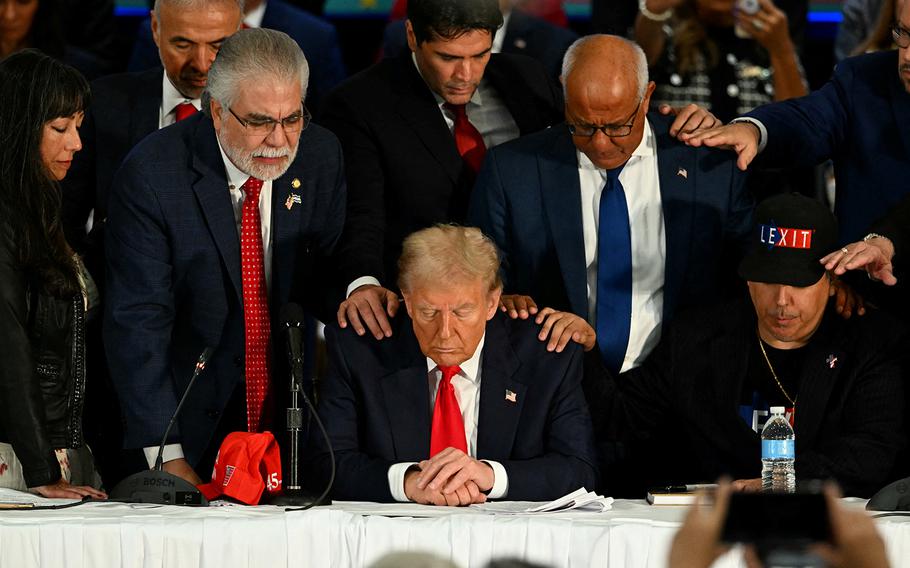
<point x="272" y="152"/>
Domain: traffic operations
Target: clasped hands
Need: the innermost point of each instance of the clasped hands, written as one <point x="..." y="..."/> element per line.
<point x="451" y="478"/>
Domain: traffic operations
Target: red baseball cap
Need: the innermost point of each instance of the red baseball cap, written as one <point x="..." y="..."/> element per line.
<point x="247" y="463"/>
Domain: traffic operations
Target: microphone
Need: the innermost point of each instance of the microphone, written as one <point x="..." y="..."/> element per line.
<point x="293" y="493"/>
<point x="156" y="485"/>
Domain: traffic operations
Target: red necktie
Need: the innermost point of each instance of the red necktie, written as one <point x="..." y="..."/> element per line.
<point x="185" y="110"/>
<point x="467" y="138"/>
<point x="448" y="426"/>
<point x="255" y="305"/>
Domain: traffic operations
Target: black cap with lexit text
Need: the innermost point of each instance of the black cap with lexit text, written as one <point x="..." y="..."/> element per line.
<point x="792" y="233"/>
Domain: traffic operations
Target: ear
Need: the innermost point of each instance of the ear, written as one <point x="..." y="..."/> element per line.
<point x="407" y="303"/>
<point x="216" y="110"/>
<point x="649" y="90"/>
<point x="155" y="35"/>
<point x="412" y="39"/>
<point x="493" y="303"/>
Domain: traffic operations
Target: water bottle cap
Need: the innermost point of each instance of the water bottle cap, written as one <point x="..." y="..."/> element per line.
<point x="778" y="410"/>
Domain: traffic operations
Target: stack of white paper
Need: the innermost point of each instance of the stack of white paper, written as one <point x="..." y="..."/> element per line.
<point x="578" y="500"/>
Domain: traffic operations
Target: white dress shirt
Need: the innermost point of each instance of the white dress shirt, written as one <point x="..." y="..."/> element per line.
<point x="467" y="393"/>
<point x="236" y="179"/>
<point x="641" y="184"/>
<point x="170" y="98"/>
<point x="489" y="115"/>
<point x="253" y="18"/>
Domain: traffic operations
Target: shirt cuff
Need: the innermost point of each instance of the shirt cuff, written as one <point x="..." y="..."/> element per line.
<point x="171" y="452"/>
<point x="396" y="481"/>
<point x="762" y="131"/>
<point x="500" y="480"/>
<point x="363" y="280"/>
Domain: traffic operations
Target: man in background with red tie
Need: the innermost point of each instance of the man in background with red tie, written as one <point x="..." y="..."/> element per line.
<point x="125" y="108"/>
<point x="415" y="130"/>
<point x="216" y="223"/>
<point x="461" y="403"/>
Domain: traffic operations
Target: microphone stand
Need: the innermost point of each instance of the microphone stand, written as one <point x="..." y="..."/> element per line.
<point x="293" y="494"/>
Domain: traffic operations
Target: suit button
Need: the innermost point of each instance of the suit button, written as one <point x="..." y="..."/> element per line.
<point x="212" y="413"/>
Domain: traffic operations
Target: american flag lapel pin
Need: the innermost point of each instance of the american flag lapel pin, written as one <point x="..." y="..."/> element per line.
<point x="831" y="361"/>
<point x="683" y="173"/>
<point x="293" y="199"/>
<point x="511" y="396"/>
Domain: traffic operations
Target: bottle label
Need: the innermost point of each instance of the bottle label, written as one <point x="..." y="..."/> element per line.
<point x="776" y="449"/>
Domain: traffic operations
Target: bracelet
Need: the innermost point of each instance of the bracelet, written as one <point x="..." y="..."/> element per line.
<point x="662" y="17"/>
<point x="871" y="236"/>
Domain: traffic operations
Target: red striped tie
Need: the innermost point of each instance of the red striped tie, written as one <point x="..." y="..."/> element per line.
<point x="255" y="305"/>
<point x="448" y="425"/>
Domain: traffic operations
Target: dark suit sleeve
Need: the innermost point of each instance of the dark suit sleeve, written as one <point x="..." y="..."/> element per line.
<point x="360" y="251"/>
<point x="326" y="69"/>
<point x="896" y="226"/>
<point x="863" y="453"/>
<point x="139" y="311"/>
<point x="569" y="460"/>
<point x="21" y="402"/>
<point x="79" y="188"/>
<point x="487" y="210"/>
<point x="358" y="476"/>
<point x="807" y="130"/>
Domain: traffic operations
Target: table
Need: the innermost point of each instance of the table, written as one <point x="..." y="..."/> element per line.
<point x="99" y="535"/>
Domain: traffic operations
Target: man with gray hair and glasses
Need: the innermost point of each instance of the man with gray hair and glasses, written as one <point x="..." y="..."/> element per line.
<point x="214" y="225"/>
<point x="608" y="217"/>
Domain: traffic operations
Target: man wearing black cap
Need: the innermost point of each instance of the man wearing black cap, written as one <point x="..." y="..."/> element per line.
<point x="696" y="407"/>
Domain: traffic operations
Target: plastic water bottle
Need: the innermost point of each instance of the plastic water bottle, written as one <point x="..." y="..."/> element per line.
<point x="778" y="453"/>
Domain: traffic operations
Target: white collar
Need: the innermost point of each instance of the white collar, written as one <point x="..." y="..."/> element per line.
<point x="171" y="97"/>
<point x="470" y="368"/>
<point x="235" y="176"/>
<point x="646" y="148"/>
<point x="253" y="18"/>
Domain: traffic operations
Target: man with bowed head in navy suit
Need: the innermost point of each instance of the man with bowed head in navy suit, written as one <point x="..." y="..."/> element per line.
<point x="461" y="403"/>
<point x="608" y="217"/>
<point x="215" y="223"/>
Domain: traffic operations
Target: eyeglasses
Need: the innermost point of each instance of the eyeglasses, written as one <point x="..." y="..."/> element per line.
<point x="263" y="127"/>
<point x="611" y="130"/>
<point x="901" y="36"/>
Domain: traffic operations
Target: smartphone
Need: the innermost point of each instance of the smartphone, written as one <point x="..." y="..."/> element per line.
<point x="748" y="7"/>
<point x="777" y="519"/>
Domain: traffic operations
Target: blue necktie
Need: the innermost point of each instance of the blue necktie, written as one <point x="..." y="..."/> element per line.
<point x="614" y="273"/>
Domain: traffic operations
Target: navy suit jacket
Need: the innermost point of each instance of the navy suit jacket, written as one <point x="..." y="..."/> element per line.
<point x="124" y="110"/>
<point x="404" y="172"/>
<point x="525" y="35"/>
<point x="528" y="200"/>
<point x="859" y="120"/>
<point x="315" y="36"/>
<point x="376" y="408"/>
<point x="174" y="277"/>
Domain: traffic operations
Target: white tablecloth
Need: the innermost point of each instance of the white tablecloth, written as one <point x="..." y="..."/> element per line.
<point x="100" y="535"/>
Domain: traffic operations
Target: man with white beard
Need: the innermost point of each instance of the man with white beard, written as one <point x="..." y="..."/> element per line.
<point x="213" y="226"/>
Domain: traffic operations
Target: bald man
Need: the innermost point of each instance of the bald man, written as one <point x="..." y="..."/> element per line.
<point x="635" y="224"/>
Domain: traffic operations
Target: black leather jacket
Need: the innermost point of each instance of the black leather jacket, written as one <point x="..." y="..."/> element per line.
<point x="42" y="371"/>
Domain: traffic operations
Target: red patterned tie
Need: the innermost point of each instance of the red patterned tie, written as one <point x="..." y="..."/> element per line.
<point x="467" y="138"/>
<point x="255" y="305"/>
<point x="185" y="110"/>
<point x="448" y="426"/>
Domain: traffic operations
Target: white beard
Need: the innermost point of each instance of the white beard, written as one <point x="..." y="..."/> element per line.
<point x="245" y="162"/>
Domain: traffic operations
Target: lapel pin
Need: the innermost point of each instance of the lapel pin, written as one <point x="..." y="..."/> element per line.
<point x="295" y="183"/>
<point x="683" y="173"/>
<point x="521" y="43"/>
<point x="511" y="396"/>
<point x="293" y="199"/>
<point x="831" y="361"/>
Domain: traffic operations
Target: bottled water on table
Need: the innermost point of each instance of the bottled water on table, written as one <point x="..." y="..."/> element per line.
<point x="778" y="453"/>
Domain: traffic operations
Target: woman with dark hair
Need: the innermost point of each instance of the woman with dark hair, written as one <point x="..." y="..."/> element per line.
<point x="42" y="292"/>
